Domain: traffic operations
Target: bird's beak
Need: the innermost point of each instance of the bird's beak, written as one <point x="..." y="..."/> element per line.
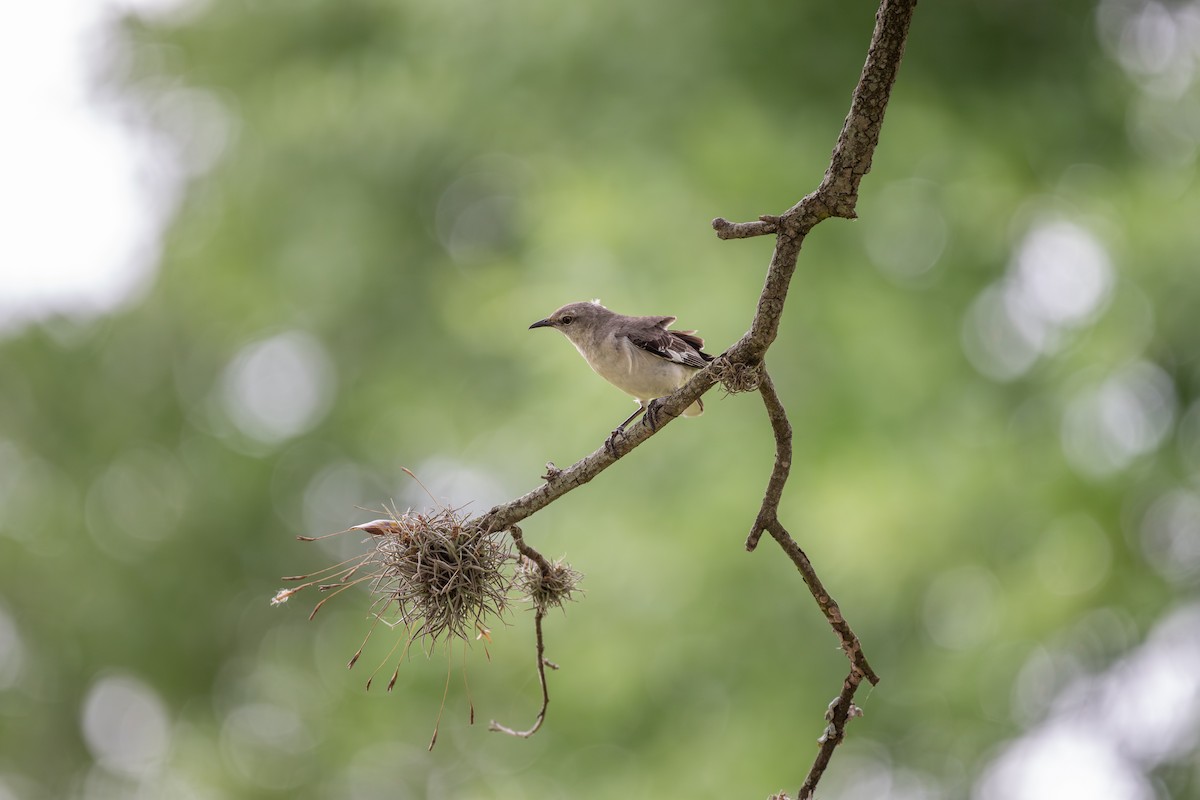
<point x="542" y="323"/>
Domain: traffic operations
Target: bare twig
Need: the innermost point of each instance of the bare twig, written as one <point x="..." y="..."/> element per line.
<point x="782" y="428"/>
<point x="542" y="663"/>
<point x="744" y="230"/>
<point x="840" y="711"/>
<point x="539" y="612"/>
<point x="533" y="555"/>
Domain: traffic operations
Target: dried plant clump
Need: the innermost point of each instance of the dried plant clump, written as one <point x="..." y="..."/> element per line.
<point x="546" y="588"/>
<point x="428" y="572"/>
<point x="446" y="579"/>
<point x="445" y="576"/>
<point x="736" y="377"/>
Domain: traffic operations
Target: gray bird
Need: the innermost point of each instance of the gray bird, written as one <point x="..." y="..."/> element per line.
<point x="638" y="355"/>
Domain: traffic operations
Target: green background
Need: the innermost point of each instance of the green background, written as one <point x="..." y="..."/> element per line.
<point x="993" y="377"/>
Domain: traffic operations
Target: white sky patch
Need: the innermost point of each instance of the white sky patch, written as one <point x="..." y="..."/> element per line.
<point x="1062" y="762"/>
<point x="81" y="223"/>
<point x="1103" y="734"/>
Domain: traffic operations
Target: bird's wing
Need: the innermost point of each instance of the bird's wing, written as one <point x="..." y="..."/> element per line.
<point x="682" y="347"/>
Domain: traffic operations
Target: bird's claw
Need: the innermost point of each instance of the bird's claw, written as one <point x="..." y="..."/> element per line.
<point x="652" y="409"/>
<point x="610" y="444"/>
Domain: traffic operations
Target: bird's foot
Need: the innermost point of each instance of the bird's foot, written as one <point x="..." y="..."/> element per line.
<point x="610" y="444"/>
<point x="652" y="409"/>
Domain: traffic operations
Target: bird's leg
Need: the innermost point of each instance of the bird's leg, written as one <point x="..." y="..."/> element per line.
<point x="610" y="444"/>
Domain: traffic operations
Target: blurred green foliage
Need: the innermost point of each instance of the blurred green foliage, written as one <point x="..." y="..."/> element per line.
<point x="1001" y="496"/>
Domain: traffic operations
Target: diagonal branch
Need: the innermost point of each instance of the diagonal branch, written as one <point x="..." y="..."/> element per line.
<point x="559" y="482"/>
<point x="782" y="428"/>
<point x="840" y="711"/>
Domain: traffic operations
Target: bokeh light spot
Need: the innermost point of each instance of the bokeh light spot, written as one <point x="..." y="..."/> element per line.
<point x="1061" y="274"/>
<point x="993" y="342"/>
<point x="1156" y="688"/>
<point x="1098" y="736"/>
<point x="278" y="388"/>
<point x="125" y="725"/>
<point x="1170" y="536"/>
<point x="1128" y="415"/>
<point x="1149" y="40"/>
<point x="1059" y="278"/>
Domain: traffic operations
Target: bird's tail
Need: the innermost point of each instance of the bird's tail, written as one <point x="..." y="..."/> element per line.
<point x="695" y="409"/>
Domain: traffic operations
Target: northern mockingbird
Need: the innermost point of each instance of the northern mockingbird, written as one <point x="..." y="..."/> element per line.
<point x="638" y="355"/>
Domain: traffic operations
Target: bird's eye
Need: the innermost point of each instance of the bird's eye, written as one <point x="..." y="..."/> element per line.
<point x="567" y="320"/>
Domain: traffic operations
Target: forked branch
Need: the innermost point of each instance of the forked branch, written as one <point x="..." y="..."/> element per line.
<point x="837" y="196"/>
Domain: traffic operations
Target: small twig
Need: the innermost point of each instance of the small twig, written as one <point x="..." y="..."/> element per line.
<point x="839" y="715"/>
<point x="782" y="429"/>
<point x="543" y="565"/>
<point x="766" y="224"/>
<point x="542" y="663"/>
<point x="527" y="551"/>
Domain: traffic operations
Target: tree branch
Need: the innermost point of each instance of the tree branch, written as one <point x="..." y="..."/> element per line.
<point x="837" y="196"/>
<point x="840" y="711"/>
<point x="782" y="428"/>
<point x="744" y="230"/>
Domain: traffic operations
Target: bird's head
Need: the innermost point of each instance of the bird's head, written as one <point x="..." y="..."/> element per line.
<point x="575" y="319"/>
